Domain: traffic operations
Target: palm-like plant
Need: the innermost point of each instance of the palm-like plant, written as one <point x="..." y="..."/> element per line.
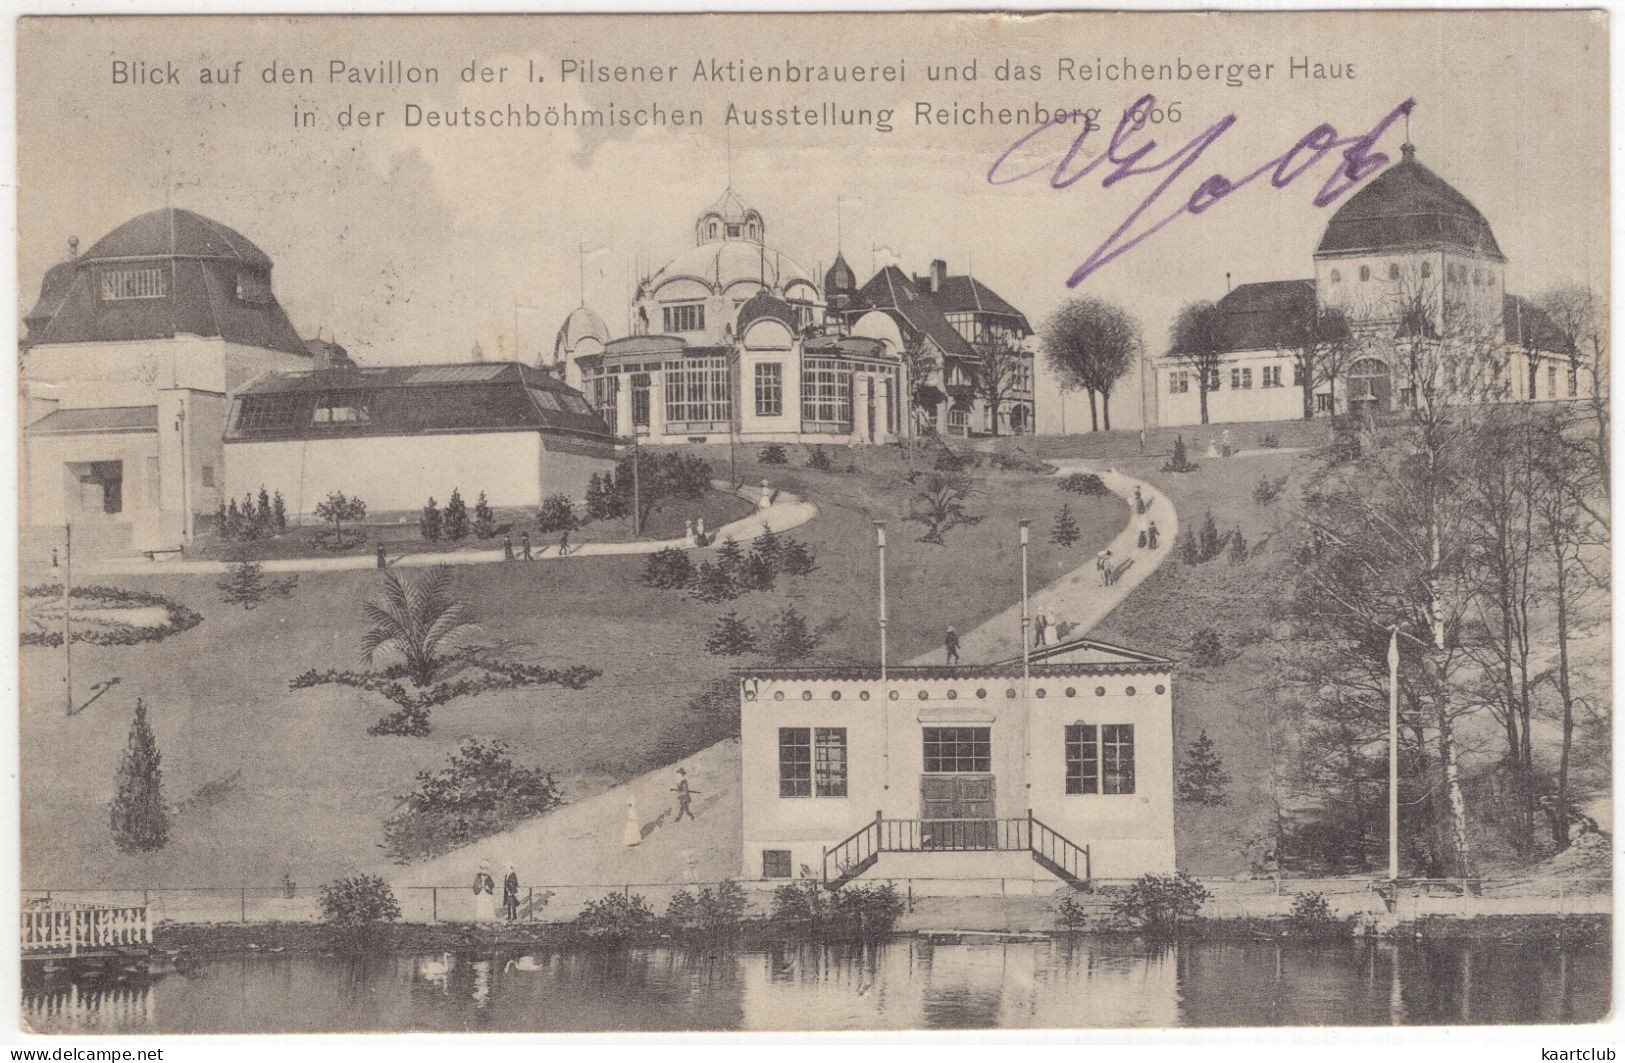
<point x="418" y="619"/>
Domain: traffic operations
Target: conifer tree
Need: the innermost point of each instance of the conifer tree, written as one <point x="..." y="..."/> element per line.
<point x="1065" y="531"/>
<point x="595" y="497"/>
<point x="455" y="523"/>
<point x="485" y="522"/>
<point x="1238" y="547"/>
<point x="730" y="558"/>
<point x="279" y="512"/>
<point x="1190" y="550"/>
<point x="1211" y="544"/>
<point x="262" y="509"/>
<point x="731" y="637"/>
<point x="243" y="584"/>
<point x="1202" y="778"/>
<point x="138" y="818"/>
<point x="233" y="524"/>
<point x="1179" y="453"/>
<point x="769" y="547"/>
<point x="792" y="639"/>
<point x="429" y="525"/>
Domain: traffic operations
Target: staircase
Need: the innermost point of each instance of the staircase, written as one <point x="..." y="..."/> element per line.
<point x="1050" y="849"/>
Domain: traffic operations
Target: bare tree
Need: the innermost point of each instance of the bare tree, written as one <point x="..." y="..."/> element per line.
<point x="922" y="363"/>
<point x="1001" y="372"/>
<point x="1194" y="341"/>
<point x="1089" y="344"/>
<point x="1580" y="318"/>
<point x="1321" y="345"/>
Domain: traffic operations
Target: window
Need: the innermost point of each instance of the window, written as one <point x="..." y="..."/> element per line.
<point x="1179" y="383"/>
<point x="269" y="412"/>
<point x="713" y="230"/>
<point x="1117" y="758"/>
<point x="1297" y="374"/>
<point x="253" y="287"/>
<point x="829" y="761"/>
<point x="1574" y="382"/>
<point x="697" y="390"/>
<point x="1337" y="276"/>
<point x="1365" y="273"/>
<point x="958" y="417"/>
<point x="826" y="391"/>
<point x="1323" y="403"/>
<point x="769" y="389"/>
<point x="640" y="400"/>
<point x="1551" y="382"/>
<point x="1082" y="758"/>
<point x="340" y="409"/>
<point x="795" y="762"/>
<point x="1241" y="379"/>
<point x="1272" y="377"/>
<point x="733" y="232"/>
<point x="149" y="283"/>
<point x="1427" y="268"/>
<point x="684" y="317"/>
<point x="207" y="474"/>
<point x="958" y="749"/>
<point x="601" y="392"/>
<point x="546" y="399"/>
<point x="775" y="863"/>
<point x="1393" y="271"/>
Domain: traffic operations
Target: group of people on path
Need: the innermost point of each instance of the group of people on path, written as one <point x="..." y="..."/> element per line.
<point x="485" y="910"/>
<point x="1149" y="535"/>
<point x="694" y="533"/>
<point x="1220" y="447"/>
<point x="525" y="548"/>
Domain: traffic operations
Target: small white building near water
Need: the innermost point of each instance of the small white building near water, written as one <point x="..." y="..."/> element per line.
<point x="971" y="777"/>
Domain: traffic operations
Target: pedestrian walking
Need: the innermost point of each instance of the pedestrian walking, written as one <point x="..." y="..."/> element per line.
<point x="950" y="643"/>
<point x="699" y="532"/>
<point x="1145" y="532"/>
<point x="1040" y="629"/>
<point x="1139" y="503"/>
<point x="507" y="548"/>
<point x="383" y="561"/>
<point x="1103" y="565"/>
<point x="684" y="796"/>
<point x="1224" y="443"/>
<point x="510" y="894"/>
<point x="485" y="910"/>
<point x="688" y="535"/>
<point x="524" y="546"/>
<point x="1151" y="533"/>
<point x="564" y="543"/>
<point x="632" y="833"/>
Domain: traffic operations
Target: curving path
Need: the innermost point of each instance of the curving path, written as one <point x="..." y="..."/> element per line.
<point x="786" y="511"/>
<point x="1078" y="597"/>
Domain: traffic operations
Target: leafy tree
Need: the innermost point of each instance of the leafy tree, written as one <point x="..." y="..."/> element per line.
<point x="1322" y="346"/>
<point x="336" y="509"/>
<point x="790" y="638"/>
<point x="1194" y="341"/>
<point x="279" y="512"/>
<point x="480" y="792"/>
<point x="1089" y="344"/>
<point x="668" y="569"/>
<point x="1071" y="914"/>
<point x="1161" y="905"/>
<point x="558" y="514"/>
<point x="1065" y="531"/>
<point x="602" y="501"/>
<point x="922" y="362"/>
<point x="662" y="480"/>
<point x="139" y="821"/>
<point x="417" y="619"/>
<point x="711" y="583"/>
<point x="485" y="522"/>
<point x="1202" y="779"/>
<point x="939" y="506"/>
<point x="354" y="906"/>
<point x="245" y="585"/>
<point x="1206" y="648"/>
<point x="454" y="525"/>
<point x="731" y="637"/>
<point x="429" y="523"/>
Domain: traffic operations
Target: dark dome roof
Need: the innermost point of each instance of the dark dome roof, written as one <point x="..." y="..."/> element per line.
<point x="840" y="277"/>
<point x="1408" y="208"/>
<point x="173" y="232"/>
<point x="766" y="304"/>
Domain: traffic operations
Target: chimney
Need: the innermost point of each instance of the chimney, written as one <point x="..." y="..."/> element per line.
<point x="73" y="247"/>
<point x="939" y="274"/>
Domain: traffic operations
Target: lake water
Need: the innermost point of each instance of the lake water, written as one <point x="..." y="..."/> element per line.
<point x="904" y="983"/>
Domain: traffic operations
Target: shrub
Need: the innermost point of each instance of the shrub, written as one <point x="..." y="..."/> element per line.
<point x="806" y="910"/>
<point x="139" y="821"/>
<point x="245" y="585"/>
<point x="1202" y="778"/>
<point x="756" y="574"/>
<point x="950" y="460"/>
<point x="1084" y="483"/>
<point x="1161" y="905"/>
<point x="790" y="639"/>
<point x="1270" y="441"/>
<point x="337" y="509"/>
<point x="1312" y="916"/>
<point x="797" y="558"/>
<point x="455" y="523"/>
<point x="558" y="514"/>
<point x="1064" y="628"/>
<point x="408" y="721"/>
<point x="773" y="454"/>
<point x="354" y="906"/>
<point x="616" y="917"/>
<point x="179" y="618"/>
<point x="1238" y="547"/>
<point x="731" y="637"/>
<point x="1209" y="542"/>
<point x="1065" y="530"/>
<point x="819" y="459"/>
<point x="479" y="792"/>
<point x="714" y="912"/>
<point x="1069" y="913"/>
<point x="1206" y="649"/>
<point x="668" y="569"/>
<point x="712" y="584"/>
<point x="1266" y="490"/>
<point x="603" y="502"/>
<point x="485" y="522"/>
<point x="429" y="525"/>
<point x="1179" y="462"/>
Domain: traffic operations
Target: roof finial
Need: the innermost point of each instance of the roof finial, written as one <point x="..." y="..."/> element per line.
<point x="1407" y="150"/>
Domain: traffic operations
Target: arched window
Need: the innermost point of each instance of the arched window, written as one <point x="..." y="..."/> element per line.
<point x="713" y="230"/>
<point x="1427" y="268"/>
<point x="1393" y="271"/>
<point x="1365" y="273"/>
<point x="1337" y="277"/>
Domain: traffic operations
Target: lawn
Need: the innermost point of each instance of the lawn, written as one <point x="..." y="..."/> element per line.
<point x="265" y="780"/>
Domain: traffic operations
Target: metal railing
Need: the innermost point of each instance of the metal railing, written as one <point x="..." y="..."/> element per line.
<point x="1058" y="849"/>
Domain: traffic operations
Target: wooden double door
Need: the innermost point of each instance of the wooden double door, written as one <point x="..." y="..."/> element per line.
<point x="957" y="811"/>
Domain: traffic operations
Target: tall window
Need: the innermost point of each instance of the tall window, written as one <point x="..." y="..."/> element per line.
<point x="150" y="283"/>
<point x="1297" y="374"/>
<point x="826" y="391"/>
<point x="1551" y="382"/>
<point x="1393" y="271"/>
<point x="640" y="400"/>
<point x="1117" y="758"/>
<point x="1082" y="758"/>
<point x="795" y="762"/>
<point x="1574" y="382"/>
<point x="1179" y="382"/>
<point x="958" y="749"/>
<point x="1241" y="379"/>
<point x="601" y="395"/>
<point x="829" y="761"/>
<point x="1365" y="273"/>
<point x="697" y="390"/>
<point x="1272" y="376"/>
<point x="769" y="389"/>
<point x="685" y="317"/>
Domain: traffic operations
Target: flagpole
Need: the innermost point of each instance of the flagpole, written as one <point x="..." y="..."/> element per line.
<point x="1393" y="755"/>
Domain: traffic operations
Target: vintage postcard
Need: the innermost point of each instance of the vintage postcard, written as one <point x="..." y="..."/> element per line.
<point x="814" y="521"/>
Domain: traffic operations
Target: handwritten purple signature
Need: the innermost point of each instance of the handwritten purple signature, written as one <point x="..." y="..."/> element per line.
<point x="1360" y="162"/>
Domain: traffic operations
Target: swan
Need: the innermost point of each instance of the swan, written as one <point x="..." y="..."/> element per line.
<point x="435" y="969"/>
<point x="524" y="963"/>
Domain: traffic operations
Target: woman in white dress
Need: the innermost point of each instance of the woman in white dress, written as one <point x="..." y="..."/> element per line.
<point x="633" y="834"/>
<point x="485" y="905"/>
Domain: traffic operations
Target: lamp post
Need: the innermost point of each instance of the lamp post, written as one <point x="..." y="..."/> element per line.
<point x="1026" y="669"/>
<point x="885" y="711"/>
<point x="64" y="571"/>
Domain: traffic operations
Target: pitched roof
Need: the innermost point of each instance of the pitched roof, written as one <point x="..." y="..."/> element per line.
<point x="412" y="400"/>
<point x="1527" y="325"/>
<point x="176" y="232"/>
<point x="1408" y="207"/>
<point x="890" y="289"/>
<point x="97" y="419"/>
<point x="964" y="294"/>
<point x="1263" y="315"/>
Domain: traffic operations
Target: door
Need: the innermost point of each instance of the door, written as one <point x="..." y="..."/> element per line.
<point x="957" y="812"/>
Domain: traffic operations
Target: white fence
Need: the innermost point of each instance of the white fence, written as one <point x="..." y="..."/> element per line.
<point x="72" y="928"/>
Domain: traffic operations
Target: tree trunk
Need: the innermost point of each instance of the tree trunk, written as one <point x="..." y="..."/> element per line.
<point x="1560" y="828"/>
<point x="1456" y="801"/>
<point x="1106" y="409"/>
<point x="1094" y="414"/>
<point x="1203" y="390"/>
<point x="1308" y="386"/>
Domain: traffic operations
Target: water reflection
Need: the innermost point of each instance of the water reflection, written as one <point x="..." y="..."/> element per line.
<point x="906" y="983"/>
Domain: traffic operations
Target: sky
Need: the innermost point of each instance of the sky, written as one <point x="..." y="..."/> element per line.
<point x="411" y="245"/>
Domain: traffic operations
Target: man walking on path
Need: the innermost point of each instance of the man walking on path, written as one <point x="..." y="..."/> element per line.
<point x="507" y="548"/>
<point x="524" y="546"/>
<point x="1103" y="565"/>
<point x="684" y="797"/>
<point x="1151" y="534"/>
<point x="510" y="894"/>
<point x="564" y="543"/>
<point x="1040" y="629"/>
<point x="950" y="642"/>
